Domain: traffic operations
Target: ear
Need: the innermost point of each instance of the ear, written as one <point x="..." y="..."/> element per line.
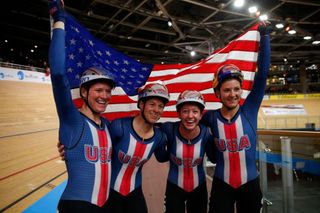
<point x="83" y="92"/>
<point x="141" y="104"/>
<point x="217" y="93"/>
<point x="179" y="113"/>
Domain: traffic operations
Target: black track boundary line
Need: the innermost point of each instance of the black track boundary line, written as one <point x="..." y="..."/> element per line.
<point x="31" y="192"/>
<point x="27" y="133"/>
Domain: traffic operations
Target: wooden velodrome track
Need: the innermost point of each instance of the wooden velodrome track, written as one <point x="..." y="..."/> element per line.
<point x="30" y="166"/>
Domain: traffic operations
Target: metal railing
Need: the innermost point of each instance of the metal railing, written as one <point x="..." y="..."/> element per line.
<point x="304" y="121"/>
<point x="289" y="165"/>
<point x="23" y="67"/>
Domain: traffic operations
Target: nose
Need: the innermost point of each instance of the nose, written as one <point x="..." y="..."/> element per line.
<point x="190" y="114"/>
<point x="158" y="109"/>
<point x="233" y="93"/>
<point x="106" y="95"/>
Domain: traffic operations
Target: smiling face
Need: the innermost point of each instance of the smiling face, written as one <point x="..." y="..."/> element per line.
<point x="152" y="109"/>
<point x="98" y="96"/>
<point x="190" y="114"/>
<point x="229" y="93"/>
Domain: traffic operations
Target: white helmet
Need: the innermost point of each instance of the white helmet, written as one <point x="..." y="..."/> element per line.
<point x="154" y="90"/>
<point x="95" y="74"/>
<point x="191" y="96"/>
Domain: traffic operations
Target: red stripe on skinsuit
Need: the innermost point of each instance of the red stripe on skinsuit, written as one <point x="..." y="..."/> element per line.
<point x="138" y="154"/>
<point x="103" y="142"/>
<point x="188" y="181"/>
<point x="234" y="158"/>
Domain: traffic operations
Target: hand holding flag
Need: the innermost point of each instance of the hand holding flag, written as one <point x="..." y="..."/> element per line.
<point x="56" y="10"/>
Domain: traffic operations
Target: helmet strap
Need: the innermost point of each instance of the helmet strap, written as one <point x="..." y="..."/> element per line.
<point x="87" y="103"/>
<point x="143" y="116"/>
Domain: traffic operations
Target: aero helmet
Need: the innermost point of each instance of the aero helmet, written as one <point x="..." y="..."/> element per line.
<point x="96" y="74"/>
<point x="227" y="71"/>
<point x="154" y="90"/>
<point x="191" y="96"/>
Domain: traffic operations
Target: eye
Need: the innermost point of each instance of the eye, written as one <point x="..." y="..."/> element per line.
<point x="237" y="89"/>
<point x="151" y="104"/>
<point x="226" y="90"/>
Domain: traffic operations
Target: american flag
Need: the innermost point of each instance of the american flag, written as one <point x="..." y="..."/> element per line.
<point x="83" y="51"/>
<point x="242" y="52"/>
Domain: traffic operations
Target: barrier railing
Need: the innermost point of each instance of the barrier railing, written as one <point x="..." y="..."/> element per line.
<point x="304" y="121"/>
<point x="23" y="67"/>
<point x="289" y="165"/>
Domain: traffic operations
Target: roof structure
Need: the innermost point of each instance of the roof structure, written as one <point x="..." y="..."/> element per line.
<point x="139" y="28"/>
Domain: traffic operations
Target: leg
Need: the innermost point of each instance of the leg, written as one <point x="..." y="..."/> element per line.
<point x="222" y="197"/>
<point x="197" y="200"/>
<point x="115" y="203"/>
<point x="68" y="206"/>
<point x="136" y="202"/>
<point x="174" y="199"/>
<point x="249" y="197"/>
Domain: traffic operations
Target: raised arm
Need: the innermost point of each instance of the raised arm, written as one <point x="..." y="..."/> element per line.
<point x="255" y="97"/>
<point x="60" y="84"/>
<point x="71" y="122"/>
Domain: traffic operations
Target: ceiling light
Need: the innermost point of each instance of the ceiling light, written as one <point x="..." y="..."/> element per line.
<point x="238" y="3"/>
<point x="11" y="49"/>
<point x="316" y="42"/>
<point x="292" y="32"/>
<point x="6" y="41"/>
<point x="35" y="46"/>
<point x="147" y="45"/>
<point x="253" y="9"/>
<point x="90" y="12"/>
<point x="307" y="37"/>
<point x="285" y="59"/>
<point x="32" y="50"/>
<point x="279" y="26"/>
<point x="162" y="62"/>
<point x="169" y="23"/>
<point x="263" y="17"/>
<point x="192" y="53"/>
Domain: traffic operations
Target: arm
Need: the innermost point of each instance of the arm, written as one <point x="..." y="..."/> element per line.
<point x="60" y="84"/>
<point x="206" y="119"/>
<point x="71" y="123"/>
<point x="167" y="129"/>
<point x="161" y="153"/>
<point x="209" y="146"/>
<point x="254" y="99"/>
<point x="116" y="130"/>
